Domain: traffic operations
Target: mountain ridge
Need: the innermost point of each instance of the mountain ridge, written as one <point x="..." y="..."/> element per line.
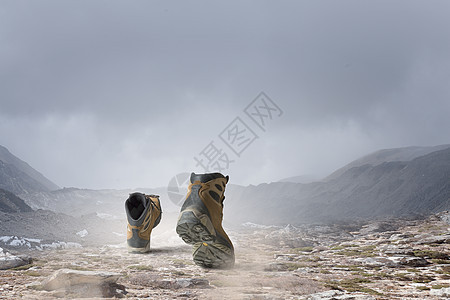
<point x="387" y="155"/>
<point x="366" y="188"/>
<point x="389" y="189"/>
<point x="19" y="177"/>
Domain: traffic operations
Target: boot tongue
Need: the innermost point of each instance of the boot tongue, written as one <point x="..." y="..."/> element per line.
<point x="203" y="178"/>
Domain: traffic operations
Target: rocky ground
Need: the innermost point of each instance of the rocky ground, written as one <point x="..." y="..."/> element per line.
<point x="392" y="259"/>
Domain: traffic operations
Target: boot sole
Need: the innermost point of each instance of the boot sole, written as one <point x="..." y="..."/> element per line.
<point x="192" y="230"/>
<point x="145" y="249"/>
<point x="198" y="230"/>
<point x="213" y="255"/>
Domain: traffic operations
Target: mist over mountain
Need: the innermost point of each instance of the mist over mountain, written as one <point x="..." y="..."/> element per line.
<point x="18" y="177"/>
<point x="366" y="188"/>
<point x="300" y="179"/>
<point x="78" y="202"/>
<point x="387" y="155"/>
<point x="407" y="181"/>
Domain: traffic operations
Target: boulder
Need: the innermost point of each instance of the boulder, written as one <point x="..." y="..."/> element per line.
<point x="444" y="292"/>
<point x="84" y="284"/>
<point x="393" y="261"/>
<point x="434" y="239"/>
<point x="445" y="216"/>
<point x="9" y="261"/>
<point x="155" y="281"/>
<point x="378" y="227"/>
<point x="335" y="295"/>
<point x="378" y="261"/>
<point x="413" y="261"/>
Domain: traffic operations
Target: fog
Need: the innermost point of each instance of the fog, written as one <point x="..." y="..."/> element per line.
<point x="119" y="94"/>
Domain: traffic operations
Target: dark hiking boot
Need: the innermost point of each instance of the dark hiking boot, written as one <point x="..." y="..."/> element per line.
<point x="200" y="221"/>
<point x="143" y="214"/>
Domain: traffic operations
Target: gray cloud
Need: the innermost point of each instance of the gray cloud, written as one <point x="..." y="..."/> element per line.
<point x="119" y="94"/>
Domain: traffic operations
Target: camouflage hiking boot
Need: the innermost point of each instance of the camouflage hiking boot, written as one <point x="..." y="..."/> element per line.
<point x="200" y="221"/>
<point x="143" y="214"/>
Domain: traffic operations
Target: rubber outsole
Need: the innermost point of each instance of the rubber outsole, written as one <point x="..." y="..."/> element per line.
<point x="213" y="255"/>
<point x="191" y="230"/>
<point x="139" y="250"/>
<point x="145" y="249"/>
<point x="207" y="251"/>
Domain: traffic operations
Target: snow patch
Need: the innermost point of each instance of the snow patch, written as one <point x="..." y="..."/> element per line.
<point x="82" y="233"/>
<point x="38" y="244"/>
<point x="258" y="226"/>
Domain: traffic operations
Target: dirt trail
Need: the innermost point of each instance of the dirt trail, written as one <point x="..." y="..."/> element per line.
<point x="390" y="260"/>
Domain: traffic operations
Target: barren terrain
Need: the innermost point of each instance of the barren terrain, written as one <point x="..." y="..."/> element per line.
<point x="392" y="259"/>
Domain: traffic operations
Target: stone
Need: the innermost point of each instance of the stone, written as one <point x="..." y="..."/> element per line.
<point x="393" y="261"/>
<point x="288" y="257"/>
<point x="84" y="283"/>
<point x="337" y="295"/>
<point x="445" y="216"/>
<point x="323" y="295"/>
<point x="9" y="261"/>
<point x="378" y="227"/>
<point x="400" y="236"/>
<point x="379" y="261"/>
<point x="274" y="267"/>
<point x="155" y="281"/>
<point x="192" y="282"/>
<point x="437" y="239"/>
<point x="413" y="261"/>
<point x="390" y="250"/>
<point x="444" y="292"/>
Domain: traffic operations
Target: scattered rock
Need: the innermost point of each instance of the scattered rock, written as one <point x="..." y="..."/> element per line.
<point x="9" y="261"/>
<point x="273" y="267"/>
<point x="24" y="244"/>
<point x="191" y="282"/>
<point x="154" y="281"/>
<point x="288" y="257"/>
<point x="378" y="261"/>
<point x="394" y="250"/>
<point x="289" y="237"/>
<point x="382" y="265"/>
<point x="378" y="227"/>
<point x="413" y="261"/>
<point x="438" y="239"/>
<point x="393" y="261"/>
<point x="400" y="236"/>
<point x="444" y="292"/>
<point x="444" y="216"/>
<point x="84" y="284"/>
<point x="337" y="295"/>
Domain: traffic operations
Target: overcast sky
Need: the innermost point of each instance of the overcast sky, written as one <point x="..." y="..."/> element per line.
<point x="124" y="94"/>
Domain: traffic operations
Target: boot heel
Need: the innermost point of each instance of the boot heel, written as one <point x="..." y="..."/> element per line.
<point x="214" y="255"/>
<point x="144" y="249"/>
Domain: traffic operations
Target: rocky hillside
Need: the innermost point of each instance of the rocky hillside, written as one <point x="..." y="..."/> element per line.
<point x="19" y="178"/>
<point x="10" y="203"/>
<point x="396" y="182"/>
<point x="390" y="188"/>
<point x="387" y="155"/>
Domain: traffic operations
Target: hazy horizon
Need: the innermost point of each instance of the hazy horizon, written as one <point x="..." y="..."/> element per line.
<point x="127" y="95"/>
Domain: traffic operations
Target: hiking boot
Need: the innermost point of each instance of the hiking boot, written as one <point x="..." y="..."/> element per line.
<point x="200" y="221"/>
<point x="143" y="214"/>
